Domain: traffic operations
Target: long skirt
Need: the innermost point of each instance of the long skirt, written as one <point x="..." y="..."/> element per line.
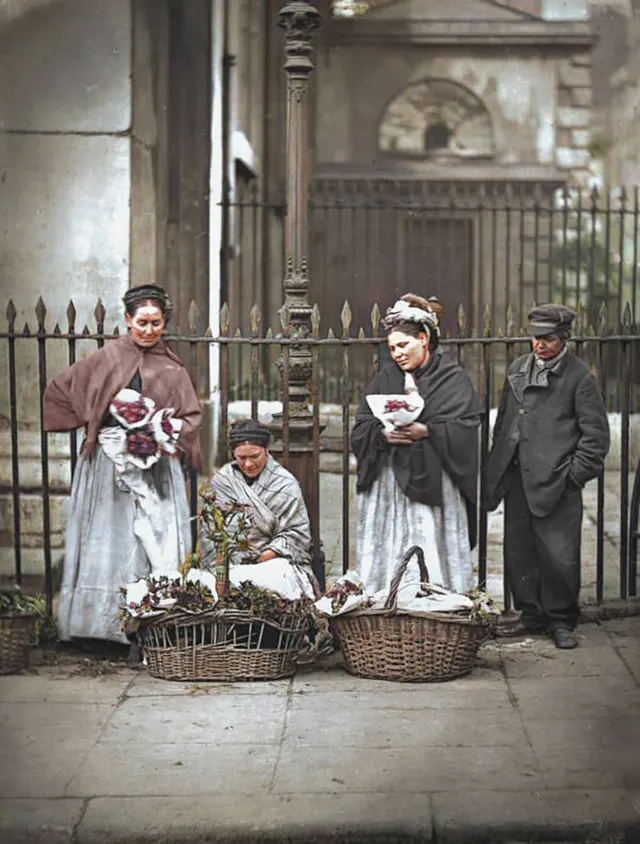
<point x="389" y="523"/>
<point x="109" y="542"/>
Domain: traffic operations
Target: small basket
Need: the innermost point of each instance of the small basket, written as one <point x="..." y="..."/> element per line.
<point x="224" y="645"/>
<point x="388" y="644"/>
<point x="16" y="633"/>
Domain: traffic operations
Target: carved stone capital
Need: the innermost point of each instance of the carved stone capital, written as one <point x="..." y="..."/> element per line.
<point x="299" y="20"/>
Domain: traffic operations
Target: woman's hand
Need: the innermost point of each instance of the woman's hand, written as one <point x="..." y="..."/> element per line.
<point x="266" y="555"/>
<point x="407" y="435"/>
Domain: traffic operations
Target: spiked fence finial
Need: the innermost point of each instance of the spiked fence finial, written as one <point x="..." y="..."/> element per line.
<point x="41" y="312"/>
<point x="345" y="318"/>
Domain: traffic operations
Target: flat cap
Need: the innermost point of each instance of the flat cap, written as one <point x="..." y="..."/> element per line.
<point x="550" y="319"/>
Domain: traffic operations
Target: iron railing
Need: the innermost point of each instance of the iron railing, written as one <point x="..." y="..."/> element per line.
<point x="614" y="357"/>
<point x="468" y="243"/>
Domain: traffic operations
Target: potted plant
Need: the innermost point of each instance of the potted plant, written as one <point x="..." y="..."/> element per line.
<point x="19" y="618"/>
<point x="227" y="525"/>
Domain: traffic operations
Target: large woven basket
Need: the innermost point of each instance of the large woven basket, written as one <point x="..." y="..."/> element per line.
<point x="388" y="644"/>
<point x="16" y="633"/>
<point x="225" y="645"/>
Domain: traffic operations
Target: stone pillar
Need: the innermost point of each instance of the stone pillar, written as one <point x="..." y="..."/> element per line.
<point x="573" y="119"/>
<point x="299" y="21"/>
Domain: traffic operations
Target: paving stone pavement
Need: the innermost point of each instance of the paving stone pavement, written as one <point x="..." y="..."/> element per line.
<point x="535" y="744"/>
<point x="333" y="534"/>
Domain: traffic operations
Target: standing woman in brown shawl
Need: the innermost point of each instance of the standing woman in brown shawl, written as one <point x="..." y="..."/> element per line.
<point x="417" y="484"/>
<point x="123" y="521"/>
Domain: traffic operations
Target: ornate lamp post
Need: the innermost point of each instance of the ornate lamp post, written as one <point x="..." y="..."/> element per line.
<point x="299" y="20"/>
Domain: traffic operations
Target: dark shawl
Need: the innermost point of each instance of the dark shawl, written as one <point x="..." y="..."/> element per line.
<point x="81" y="394"/>
<point x="452" y="413"/>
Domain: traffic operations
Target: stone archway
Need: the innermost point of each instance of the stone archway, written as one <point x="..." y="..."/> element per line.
<point x="436" y="117"/>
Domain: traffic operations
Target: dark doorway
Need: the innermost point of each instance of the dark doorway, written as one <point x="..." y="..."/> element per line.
<point x="438" y="260"/>
<point x="437" y="137"/>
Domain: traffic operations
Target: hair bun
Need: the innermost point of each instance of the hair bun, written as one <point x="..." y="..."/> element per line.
<point x="135" y="296"/>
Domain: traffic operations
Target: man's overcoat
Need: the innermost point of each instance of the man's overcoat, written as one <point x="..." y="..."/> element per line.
<point x="558" y="432"/>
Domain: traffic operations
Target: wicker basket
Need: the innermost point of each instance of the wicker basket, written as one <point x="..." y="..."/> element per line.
<point x="391" y="645"/>
<point x="226" y="645"/>
<point x="16" y="632"/>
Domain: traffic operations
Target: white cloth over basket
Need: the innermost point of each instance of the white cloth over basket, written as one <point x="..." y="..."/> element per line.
<point x="278" y="575"/>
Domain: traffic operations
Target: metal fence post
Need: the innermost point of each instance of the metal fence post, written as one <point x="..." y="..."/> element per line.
<point x="299" y="21"/>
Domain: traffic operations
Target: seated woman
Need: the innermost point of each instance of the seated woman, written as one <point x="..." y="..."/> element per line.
<point x="279" y="520"/>
<point x="416" y="485"/>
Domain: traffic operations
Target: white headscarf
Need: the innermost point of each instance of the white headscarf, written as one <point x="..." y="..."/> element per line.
<point x="402" y="311"/>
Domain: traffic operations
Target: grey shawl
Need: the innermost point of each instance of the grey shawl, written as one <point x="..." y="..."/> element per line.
<point x="280" y="522"/>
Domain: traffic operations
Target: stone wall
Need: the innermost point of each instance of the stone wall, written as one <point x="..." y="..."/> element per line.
<point x="65" y="117"/>
<point x="623" y="114"/>
<point x="65" y="112"/>
<point x="623" y="165"/>
<point x="532" y="78"/>
<point x="356" y="83"/>
<point x="573" y="116"/>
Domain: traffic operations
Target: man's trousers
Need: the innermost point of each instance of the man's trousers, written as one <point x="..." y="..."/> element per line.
<point x="542" y="557"/>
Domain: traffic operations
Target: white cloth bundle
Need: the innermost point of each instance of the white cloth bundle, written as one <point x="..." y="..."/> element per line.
<point x="432" y="598"/>
<point x="278" y="575"/>
<point x="396" y="411"/>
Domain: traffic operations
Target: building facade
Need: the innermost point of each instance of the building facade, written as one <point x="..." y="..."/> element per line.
<point x="440" y="117"/>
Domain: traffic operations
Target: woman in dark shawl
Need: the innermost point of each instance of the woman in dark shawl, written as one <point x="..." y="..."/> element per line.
<point x="417" y="484"/>
<point x="124" y="521"/>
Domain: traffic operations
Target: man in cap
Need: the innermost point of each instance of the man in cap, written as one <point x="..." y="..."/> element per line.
<point x="550" y="437"/>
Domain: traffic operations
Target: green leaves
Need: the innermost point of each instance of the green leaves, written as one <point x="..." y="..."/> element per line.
<point x="14" y="602"/>
<point x="226" y="523"/>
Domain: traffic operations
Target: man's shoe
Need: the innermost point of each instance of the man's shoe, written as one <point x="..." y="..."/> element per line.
<point x="564" y="638"/>
<point x="526" y="627"/>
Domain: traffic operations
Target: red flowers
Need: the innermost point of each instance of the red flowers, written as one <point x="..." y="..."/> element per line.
<point x="396" y="404"/>
<point x="141" y="442"/>
<point x="131" y="411"/>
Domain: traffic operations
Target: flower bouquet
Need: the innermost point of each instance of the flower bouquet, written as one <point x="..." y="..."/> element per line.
<point x="147" y="432"/>
<point x="132" y="410"/>
<point x="396" y="411"/>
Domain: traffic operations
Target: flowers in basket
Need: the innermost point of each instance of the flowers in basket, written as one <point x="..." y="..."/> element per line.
<point x="194" y="593"/>
<point x="194" y="588"/>
<point x="343" y="595"/>
<point x="147" y="432"/>
<point x="348" y="594"/>
<point x="160" y="593"/>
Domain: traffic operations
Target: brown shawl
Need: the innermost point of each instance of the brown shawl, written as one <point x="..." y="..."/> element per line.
<point x="80" y="395"/>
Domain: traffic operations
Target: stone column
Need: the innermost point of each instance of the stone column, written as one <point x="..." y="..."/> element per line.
<point x="299" y="21"/>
